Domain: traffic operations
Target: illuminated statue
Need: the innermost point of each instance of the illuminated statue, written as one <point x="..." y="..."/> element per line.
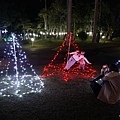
<point x="72" y="60"/>
<point x="82" y="61"/>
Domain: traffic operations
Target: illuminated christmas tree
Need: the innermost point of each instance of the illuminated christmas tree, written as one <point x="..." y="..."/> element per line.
<point x="17" y="76"/>
<point x="57" y="64"/>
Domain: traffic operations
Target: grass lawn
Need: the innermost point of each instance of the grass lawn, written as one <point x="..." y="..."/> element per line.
<point x="86" y="44"/>
<point x="60" y="100"/>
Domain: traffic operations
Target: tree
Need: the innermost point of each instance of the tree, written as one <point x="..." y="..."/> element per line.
<point x="56" y="17"/>
<point x="43" y="13"/>
<point x="25" y="25"/>
<point x="96" y="19"/>
<point x="69" y="12"/>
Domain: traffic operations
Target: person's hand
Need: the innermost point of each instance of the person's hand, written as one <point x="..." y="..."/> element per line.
<point x="102" y="71"/>
<point x="104" y="66"/>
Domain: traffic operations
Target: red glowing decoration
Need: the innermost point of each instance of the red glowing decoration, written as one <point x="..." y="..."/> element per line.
<point x="57" y="64"/>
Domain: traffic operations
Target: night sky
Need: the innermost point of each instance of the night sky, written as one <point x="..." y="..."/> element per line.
<point x="34" y="6"/>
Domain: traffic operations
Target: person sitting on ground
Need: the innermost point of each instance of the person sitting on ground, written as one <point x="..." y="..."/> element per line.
<point x="96" y="84"/>
<point x="82" y="61"/>
<point x="72" y="60"/>
<point x="108" y="90"/>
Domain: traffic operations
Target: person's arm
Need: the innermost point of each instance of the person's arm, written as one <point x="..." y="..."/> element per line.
<point x="87" y="60"/>
<point x="71" y="53"/>
<point x="106" y="76"/>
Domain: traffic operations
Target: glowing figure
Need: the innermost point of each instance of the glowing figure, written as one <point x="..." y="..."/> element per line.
<point x="83" y="60"/>
<point x="72" y="60"/>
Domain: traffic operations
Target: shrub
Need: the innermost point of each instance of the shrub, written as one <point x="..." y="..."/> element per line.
<point x="82" y="35"/>
<point x="24" y="42"/>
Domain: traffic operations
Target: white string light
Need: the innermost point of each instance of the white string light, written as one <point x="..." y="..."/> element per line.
<point x="17" y="75"/>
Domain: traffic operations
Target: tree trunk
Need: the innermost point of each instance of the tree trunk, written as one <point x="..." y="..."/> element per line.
<point x="45" y="21"/>
<point x="96" y="19"/>
<point x="69" y="12"/>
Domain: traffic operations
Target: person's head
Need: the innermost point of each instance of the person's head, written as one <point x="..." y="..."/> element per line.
<point x="113" y="67"/>
<point x="77" y="51"/>
<point x="82" y="52"/>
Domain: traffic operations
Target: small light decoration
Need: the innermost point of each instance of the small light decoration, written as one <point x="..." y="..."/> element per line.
<point x="55" y="69"/>
<point x="118" y="64"/>
<point x="17" y="76"/>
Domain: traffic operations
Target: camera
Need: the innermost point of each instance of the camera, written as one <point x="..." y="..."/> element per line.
<point x="100" y="81"/>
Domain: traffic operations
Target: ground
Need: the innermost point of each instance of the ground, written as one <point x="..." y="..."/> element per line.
<point x="60" y="100"/>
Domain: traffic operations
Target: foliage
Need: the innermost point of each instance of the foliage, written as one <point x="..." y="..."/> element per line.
<point x="14" y="16"/>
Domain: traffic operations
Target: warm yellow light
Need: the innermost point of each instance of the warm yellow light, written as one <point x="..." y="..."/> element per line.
<point x="32" y="39"/>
